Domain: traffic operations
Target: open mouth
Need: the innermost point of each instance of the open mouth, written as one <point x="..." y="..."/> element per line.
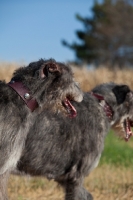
<point x="127" y="124"/>
<point x="69" y="108"/>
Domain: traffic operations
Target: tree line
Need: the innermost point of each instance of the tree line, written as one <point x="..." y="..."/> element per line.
<point x="107" y="36"/>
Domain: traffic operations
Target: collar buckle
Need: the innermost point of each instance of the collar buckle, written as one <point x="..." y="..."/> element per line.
<point x="24" y="93"/>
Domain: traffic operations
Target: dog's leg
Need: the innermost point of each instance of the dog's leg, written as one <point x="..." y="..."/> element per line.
<point x="3" y="186"/>
<point x="83" y="194"/>
<point x="76" y="192"/>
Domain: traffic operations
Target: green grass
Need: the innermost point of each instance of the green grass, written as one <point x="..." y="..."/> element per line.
<point x="117" y="152"/>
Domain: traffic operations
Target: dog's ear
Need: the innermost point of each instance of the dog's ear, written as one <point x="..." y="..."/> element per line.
<point x="120" y="92"/>
<point x="49" y="68"/>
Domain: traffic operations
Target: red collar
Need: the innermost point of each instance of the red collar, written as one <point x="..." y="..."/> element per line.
<point x="24" y="93"/>
<point x="106" y="107"/>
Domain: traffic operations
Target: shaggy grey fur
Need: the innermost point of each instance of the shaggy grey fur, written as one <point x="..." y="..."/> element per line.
<point x="67" y="150"/>
<point x="48" y="81"/>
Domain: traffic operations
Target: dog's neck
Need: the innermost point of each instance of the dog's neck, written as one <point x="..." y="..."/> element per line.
<point x="106" y="107"/>
<point x="24" y="93"/>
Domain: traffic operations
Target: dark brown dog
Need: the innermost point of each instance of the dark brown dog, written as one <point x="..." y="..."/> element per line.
<point x="40" y="85"/>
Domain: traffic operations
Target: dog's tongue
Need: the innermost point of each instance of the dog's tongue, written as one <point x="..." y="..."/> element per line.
<point x="70" y="108"/>
<point x="128" y="130"/>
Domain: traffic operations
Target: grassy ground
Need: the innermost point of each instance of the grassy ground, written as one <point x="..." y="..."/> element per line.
<point x="105" y="183"/>
<point x="117" y="152"/>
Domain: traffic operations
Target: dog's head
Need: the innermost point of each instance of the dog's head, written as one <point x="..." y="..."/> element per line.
<point x="120" y="100"/>
<point x="51" y="83"/>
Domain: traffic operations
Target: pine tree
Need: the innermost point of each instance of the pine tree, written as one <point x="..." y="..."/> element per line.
<point x="107" y="37"/>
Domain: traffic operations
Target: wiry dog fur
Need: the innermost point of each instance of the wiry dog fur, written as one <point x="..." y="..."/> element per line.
<point x="49" y="82"/>
<point x="67" y="150"/>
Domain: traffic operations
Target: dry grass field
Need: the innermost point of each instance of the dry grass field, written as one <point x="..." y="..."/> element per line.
<point x="106" y="182"/>
<point x="87" y="78"/>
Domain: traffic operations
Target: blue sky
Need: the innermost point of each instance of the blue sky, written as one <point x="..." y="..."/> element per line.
<point x="33" y="29"/>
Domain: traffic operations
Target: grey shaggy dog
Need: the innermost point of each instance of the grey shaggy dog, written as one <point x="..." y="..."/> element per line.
<point x="49" y="82"/>
<point x="67" y="150"/>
